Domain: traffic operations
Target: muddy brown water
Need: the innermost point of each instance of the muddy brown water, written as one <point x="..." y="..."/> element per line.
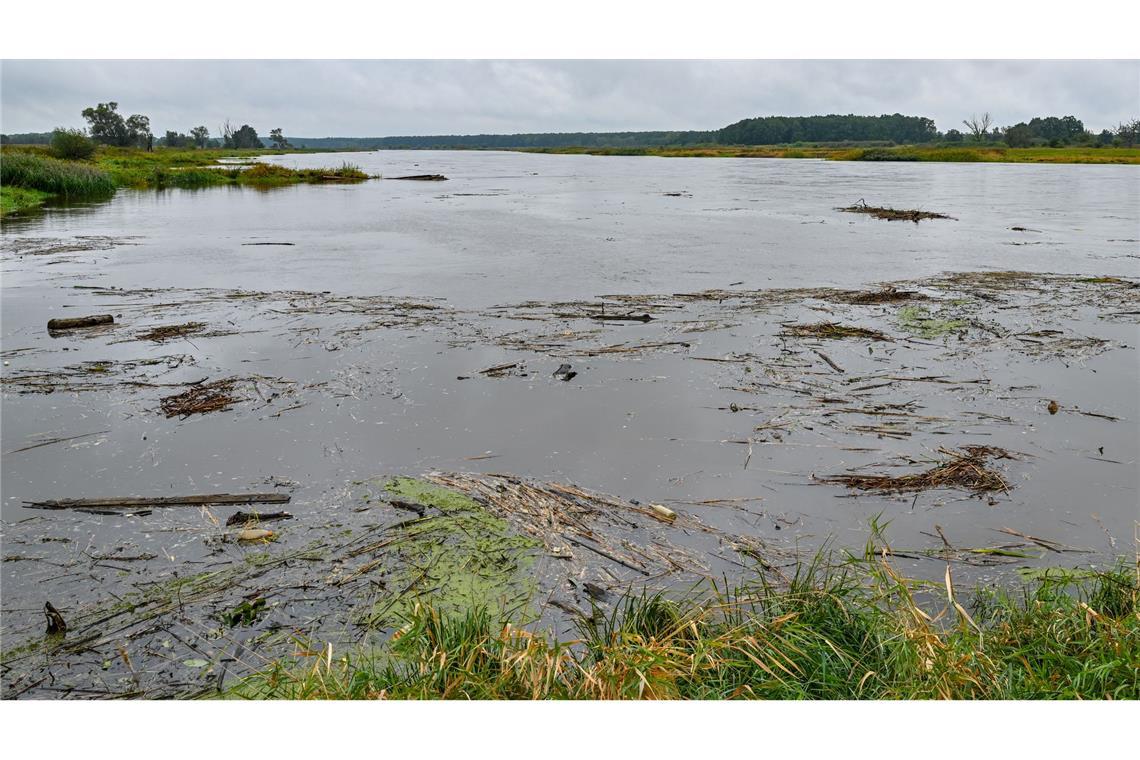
<point x="350" y="345"/>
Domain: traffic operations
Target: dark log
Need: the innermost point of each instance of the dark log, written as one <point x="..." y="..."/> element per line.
<point x="241" y="518"/>
<point x="73" y="322"/>
<point x="623" y="317"/>
<point x="424" y="177"/>
<point x="162" y="501"/>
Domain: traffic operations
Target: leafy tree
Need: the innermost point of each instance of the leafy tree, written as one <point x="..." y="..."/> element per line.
<point x="1105" y="137"/>
<point x="1019" y="136"/>
<point x="278" y="139"/>
<point x="177" y="140"/>
<point x="106" y="124"/>
<point x="953" y="135"/>
<point x="1052" y="129"/>
<point x="246" y="137"/>
<point x="109" y="127"/>
<point x="138" y="130"/>
<point x="201" y="136"/>
<point x="71" y="144"/>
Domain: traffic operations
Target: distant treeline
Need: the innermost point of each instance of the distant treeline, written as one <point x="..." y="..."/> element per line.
<point x="764" y="130"/>
<point x="534" y="140"/>
<point x="776" y="130"/>
<point x="27" y="138"/>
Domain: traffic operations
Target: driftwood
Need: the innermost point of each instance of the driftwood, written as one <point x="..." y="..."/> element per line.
<point x="423" y="177"/>
<point x="623" y="317"/>
<point x="73" y="322"/>
<point x="241" y="518"/>
<point x="163" y="501"/>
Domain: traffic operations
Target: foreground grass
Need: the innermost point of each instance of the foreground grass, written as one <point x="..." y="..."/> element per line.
<point x="31" y="168"/>
<point x="855" y="631"/>
<point x="981" y="154"/>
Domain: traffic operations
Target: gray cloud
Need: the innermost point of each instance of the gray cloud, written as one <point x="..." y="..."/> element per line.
<point x="377" y="98"/>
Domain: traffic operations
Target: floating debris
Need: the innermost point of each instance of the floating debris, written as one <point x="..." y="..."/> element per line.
<point x="966" y="470"/>
<point x="893" y="214"/>
<point x="201" y="399"/>
<point x="834" y="331"/>
<point x="168" y="332"/>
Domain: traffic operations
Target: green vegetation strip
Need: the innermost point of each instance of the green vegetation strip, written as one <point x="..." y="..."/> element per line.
<point x="852" y="631"/>
<point x="27" y="169"/>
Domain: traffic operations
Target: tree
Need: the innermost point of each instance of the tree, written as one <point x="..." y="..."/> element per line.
<point x="201" y="136"/>
<point x="138" y="131"/>
<point x="106" y="125"/>
<point x="1019" y="136"/>
<point x="1128" y="132"/>
<point x="177" y="140"/>
<point x="227" y="133"/>
<point x="1105" y="137"/>
<point x="246" y="137"/>
<point x="73" y="144"/>
<point x="979" y="127"/>
<point x="953" y="135"/>
<point x="278" y="139"/>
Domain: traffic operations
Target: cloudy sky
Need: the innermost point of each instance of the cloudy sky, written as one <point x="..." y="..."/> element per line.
<point x="378" y="98"/>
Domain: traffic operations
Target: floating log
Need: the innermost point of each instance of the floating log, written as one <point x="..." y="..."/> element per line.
<point x="162" y="501"/>
<point x="241" y="518"/>
<point x="423" y="177"/>
<point x="74" y="322"/>
<point x="623" y="317"/>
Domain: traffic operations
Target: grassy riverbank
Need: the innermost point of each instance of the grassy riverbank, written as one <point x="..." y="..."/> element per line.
<point x="854" y="631"/>
<point x="15" y="199"/>
<point x="980" y="154"/>
<point x="31" y="176"/>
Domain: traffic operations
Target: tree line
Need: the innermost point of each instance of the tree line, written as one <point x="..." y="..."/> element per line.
<point x="105" y="125"/>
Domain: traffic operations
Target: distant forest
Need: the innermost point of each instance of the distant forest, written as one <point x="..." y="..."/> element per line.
<point x="764" y="130"/>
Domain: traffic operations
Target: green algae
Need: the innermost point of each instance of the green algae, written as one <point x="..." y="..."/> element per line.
<point x="459" y="560"/>
<point x="919" y="321"/>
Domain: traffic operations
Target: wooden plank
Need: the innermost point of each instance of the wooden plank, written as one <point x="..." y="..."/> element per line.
<point x="162" y="501"/>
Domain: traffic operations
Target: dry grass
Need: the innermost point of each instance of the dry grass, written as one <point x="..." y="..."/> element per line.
<point x="893" y="214"/>
<point x="201" y="399"/>
<point x="888" y="294"/>
<point x="168" y="332"/>
<point x="833" y="331"/>
<point x="966" y="470"/>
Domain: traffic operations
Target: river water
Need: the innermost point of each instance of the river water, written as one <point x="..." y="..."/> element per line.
<point x="349" y="375"/>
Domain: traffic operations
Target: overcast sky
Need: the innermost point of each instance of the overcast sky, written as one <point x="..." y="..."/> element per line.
<point x="378" y="98"/>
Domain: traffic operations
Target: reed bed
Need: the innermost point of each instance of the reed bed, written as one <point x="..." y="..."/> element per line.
<point x="69" y="179"/>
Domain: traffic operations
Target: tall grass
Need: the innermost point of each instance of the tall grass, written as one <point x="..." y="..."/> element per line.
<point x="50" y="175"/>
<point x="853" y="630"/>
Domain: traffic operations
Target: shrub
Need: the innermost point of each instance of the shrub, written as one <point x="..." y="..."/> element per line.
<point x="71" y="144"/>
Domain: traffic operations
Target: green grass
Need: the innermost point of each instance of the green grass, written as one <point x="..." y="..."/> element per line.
<point x="14" y="199"/>
<point x="853" y="630"/>
<point x="69" y="179"/>
<point x="159" y="169"/>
